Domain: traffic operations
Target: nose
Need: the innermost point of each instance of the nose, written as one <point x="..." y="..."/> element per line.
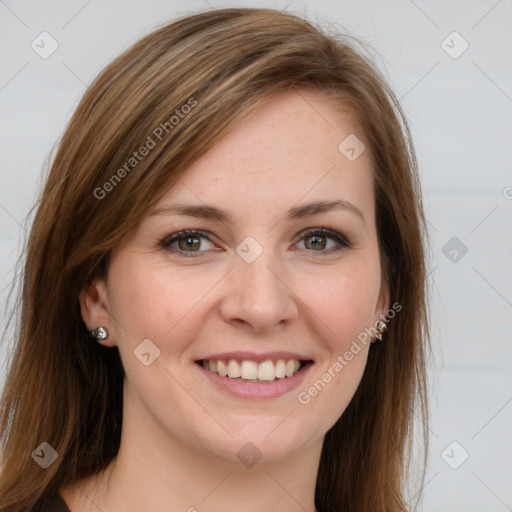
<point x="257" y="296"/>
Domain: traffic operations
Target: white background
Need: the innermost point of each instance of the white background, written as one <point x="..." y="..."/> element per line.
<point x="460" y="111"/>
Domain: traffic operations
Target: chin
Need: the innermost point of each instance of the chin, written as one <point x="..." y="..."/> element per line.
<point x="262" y="439"/>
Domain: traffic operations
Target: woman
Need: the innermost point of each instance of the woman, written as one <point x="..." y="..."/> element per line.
<point x="224" y="298"/>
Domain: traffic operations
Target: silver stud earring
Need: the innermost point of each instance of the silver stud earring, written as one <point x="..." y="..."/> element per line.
<point x="100" y="333"/>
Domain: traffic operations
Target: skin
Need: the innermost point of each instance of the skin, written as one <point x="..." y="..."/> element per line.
<point x="181" y="434"/>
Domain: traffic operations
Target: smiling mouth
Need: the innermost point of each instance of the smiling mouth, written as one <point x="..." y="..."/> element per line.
<point x="252" y="371"/>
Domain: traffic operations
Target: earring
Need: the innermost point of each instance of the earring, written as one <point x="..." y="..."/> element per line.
<point x="100" y="333"/>
<point x="382" y="328"/>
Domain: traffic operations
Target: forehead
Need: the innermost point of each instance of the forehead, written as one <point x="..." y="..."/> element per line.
<point x="285" y="153"/>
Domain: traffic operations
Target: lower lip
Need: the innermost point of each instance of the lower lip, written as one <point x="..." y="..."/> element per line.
<point x="271" y="389"/>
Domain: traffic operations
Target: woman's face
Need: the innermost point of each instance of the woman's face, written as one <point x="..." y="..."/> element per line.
<point x="256" y="285"/>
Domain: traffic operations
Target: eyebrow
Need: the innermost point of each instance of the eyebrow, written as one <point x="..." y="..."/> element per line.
<point x="297" y="212"/>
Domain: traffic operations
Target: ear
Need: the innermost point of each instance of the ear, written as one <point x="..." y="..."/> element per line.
<point x="383" y="302"/>
<point x="95" y="309"/>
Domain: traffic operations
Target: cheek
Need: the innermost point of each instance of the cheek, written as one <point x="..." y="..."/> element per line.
<point x="142" y="299"/>
<point x="154" y="301"/>
<point x="342" y="313"/>
<point x="345" y="303"/>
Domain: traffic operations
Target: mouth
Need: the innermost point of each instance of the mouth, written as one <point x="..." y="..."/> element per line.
<point x="262" y="377"/>
<point x="250" y="371"/>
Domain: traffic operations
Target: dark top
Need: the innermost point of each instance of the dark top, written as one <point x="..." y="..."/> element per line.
<point x="52" y="504"/>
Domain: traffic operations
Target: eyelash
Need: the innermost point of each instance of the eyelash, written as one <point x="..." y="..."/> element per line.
<point x="343" y="242"/>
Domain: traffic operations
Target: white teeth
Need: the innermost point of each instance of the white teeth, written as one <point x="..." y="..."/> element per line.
<point x="266" y="371"/>
<point x="249" y="370"/>
<point x="222" y="369"/>
<point x="289" y="367"/>
<point x="280" y="369"/>
<point x="233" y="369"/>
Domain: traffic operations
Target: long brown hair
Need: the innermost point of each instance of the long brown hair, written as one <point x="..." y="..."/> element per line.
<point x="66" y="391"/>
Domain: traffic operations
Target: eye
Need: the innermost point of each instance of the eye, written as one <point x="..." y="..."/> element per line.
<point x="318" y="240"/>
<point x="186" y="239"/>
<point x="189" y="241"/>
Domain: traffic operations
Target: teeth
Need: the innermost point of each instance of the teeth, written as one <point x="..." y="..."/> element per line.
<point x="233" y="369"/>
<point x="249" y="370"/>
<point x="280" y="369"/>
<point x="222" y="369"/>
<point x="252" y="371"/>
<point x="289" y="368"/>
<point x="266" y="371"/>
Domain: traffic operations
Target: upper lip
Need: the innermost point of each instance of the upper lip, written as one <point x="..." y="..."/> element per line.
<point x="253" y="356"/>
